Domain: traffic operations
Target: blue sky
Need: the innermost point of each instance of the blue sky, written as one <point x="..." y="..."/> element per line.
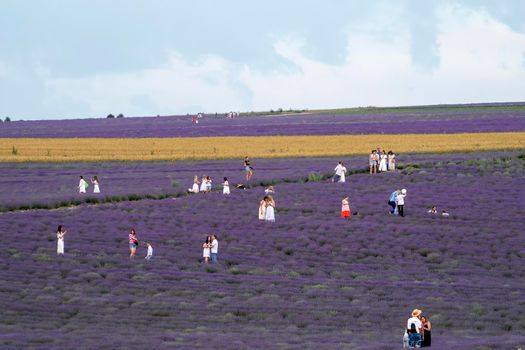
<point x="76" y="59"/>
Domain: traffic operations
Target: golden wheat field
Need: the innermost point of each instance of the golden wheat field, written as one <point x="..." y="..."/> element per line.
<point x="144" y="149"/>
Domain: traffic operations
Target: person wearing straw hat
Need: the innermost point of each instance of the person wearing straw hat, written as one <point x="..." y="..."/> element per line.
<point x="400" y="202"/>
<point x="414" y="329"/>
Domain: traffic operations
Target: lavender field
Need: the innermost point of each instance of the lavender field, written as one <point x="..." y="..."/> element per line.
<point x="310" y="280"/>
<point x="326" y="123"/>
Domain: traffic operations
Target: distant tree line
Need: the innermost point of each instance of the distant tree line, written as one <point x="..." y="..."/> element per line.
<point x="7" y="120"/>
<point x="111" y="116"/>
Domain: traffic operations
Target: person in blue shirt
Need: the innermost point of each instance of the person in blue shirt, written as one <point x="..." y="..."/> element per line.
<point x="392" y="201"/>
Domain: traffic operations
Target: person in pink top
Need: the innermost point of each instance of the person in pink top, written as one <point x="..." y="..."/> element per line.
<point x="133" y="243"/>
<point x="345" y="208"/>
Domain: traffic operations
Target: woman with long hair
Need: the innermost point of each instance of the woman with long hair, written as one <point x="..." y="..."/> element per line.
<point x="133" y="243"/>
<point x="94" y="181"/>
<point x="262" y="208"/>
<point x="427" y="327"/>
<point x="270" y="209"/>
<point x="60" y="239"/>
<point x="206" y="247"/>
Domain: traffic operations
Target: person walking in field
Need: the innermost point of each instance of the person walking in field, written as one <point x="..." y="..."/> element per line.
<point x="248" y="168"/>
<point x="214" y="250"/>
<point x="269" y="215"/>
<point x="133" y="243"/>
<point x="94" y="181"/>
<point x="345" y="208"/>
<point x="149" y="254"/>
<point x="400" y="202"/>
<point x="82" y="185"/>
<point x="60" y="240"/>
<point x="206" y="249"/>
<point x="262" y="208"/>
<point x="340" y="172"/>
<point x="225" y="186"/>
<point x="373" y="162"/>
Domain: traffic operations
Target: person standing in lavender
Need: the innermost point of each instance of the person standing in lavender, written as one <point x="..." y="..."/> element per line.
<point x="414" y="326"/>
<point x="248" y="168"/>
<point x="133" y="243"/>
<point x="149" y="254"/>
<point x="400" y="202"/>
<point x="391" y="161"/>
<point x="206" y="249"/>
<point x="82" y="185"/>
<point x="214" y="248"/>
<point x="60" y="240"/>
<point x="373" y="162"/>
<point x="225" y="186"/>
<point x="94" y="181"/>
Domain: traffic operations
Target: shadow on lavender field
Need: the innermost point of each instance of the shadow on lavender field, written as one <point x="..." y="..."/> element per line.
<point x="308" y="280"/>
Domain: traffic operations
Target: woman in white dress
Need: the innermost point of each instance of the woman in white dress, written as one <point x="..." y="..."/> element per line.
<point x="270" y="210"/>
<point x="225" y="186"/>
<point x="262" y="208"/>
<point x="206" y="249"/>
<point x="195" y="187"/>
<point x="391" y="161"/>
<point x="60" y="240"/>
<point x="204" y="183"/>
<point x="82" y="185"/>
<point x="342" y="176"/>
<point x="94" y="181"/>
<point x="382" y="162"/>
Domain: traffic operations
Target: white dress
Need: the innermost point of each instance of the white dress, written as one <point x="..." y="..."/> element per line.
<point x="206" y="252"/>
<point x="226" y="188"/>
<point x="82" y="186"/>
<point x="342" y="177"/>
<point x="203" y="185"/>
<point x="392" y="162"/>
<point x="270" y="214"/>
<point x="96" y="189"/>
<point x="262" y="212"/>
<point x="60" y="243"/>
<point x="195" y="188"/>
<point x="382" y="163"/>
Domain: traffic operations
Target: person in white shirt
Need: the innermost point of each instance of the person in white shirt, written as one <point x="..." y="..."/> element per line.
<point x="82" y="185"/>
<point x="400" y="202"/>
<point x="225" y="186"/>
<point x="340" y="172"/>
<point x="414" y="326"/>
<point x="149" y="255"/>
<point x="214" y="248"/>
<point x="60" y="240"/>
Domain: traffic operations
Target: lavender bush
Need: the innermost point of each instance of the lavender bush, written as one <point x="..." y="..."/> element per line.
<point x="309" y="280"/>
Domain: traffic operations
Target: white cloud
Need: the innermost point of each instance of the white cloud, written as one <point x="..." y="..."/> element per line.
<point x="481" y="60"/>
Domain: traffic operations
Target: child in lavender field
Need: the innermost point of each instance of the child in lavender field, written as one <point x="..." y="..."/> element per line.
<point x="149" y="254"/>
<point x="82" y="185"/>
<point x="400" y="202"/>
<point x="206" y="249"/>
<point x="225" y="186"/>
<point x="345" y="208"/>
<point x="94" y="181"/>
<point x="60" y="239"/>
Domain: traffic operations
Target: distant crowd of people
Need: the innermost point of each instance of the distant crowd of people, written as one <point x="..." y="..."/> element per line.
<point x="381" y="161"/>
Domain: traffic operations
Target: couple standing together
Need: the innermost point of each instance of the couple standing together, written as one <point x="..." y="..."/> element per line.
<point x="210" y="248"/>
<point x="267" y="209"/>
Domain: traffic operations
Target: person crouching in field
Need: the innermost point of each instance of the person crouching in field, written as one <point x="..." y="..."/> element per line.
<point x="345" y="208"/>
<point x="133" y="243"/>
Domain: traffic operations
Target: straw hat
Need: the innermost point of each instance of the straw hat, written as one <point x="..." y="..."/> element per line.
<point x="404" y="191"/>
<point x="416" y="312"/>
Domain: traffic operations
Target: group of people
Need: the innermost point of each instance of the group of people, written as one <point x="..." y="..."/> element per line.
<point x="83" y="185"/>
<point x="210" y="249"/>
<point x="134" y="243"/>
<point x="340" y="172"/>
<point x="381" y="161"/>
<point x="397" y="202"/>
<point x="418" y="331"/>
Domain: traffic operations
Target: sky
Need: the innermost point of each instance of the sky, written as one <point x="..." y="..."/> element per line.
<point x="89" y="58"/>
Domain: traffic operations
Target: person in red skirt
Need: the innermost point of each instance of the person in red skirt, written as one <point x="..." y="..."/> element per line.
<point x="345" y="208"/>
